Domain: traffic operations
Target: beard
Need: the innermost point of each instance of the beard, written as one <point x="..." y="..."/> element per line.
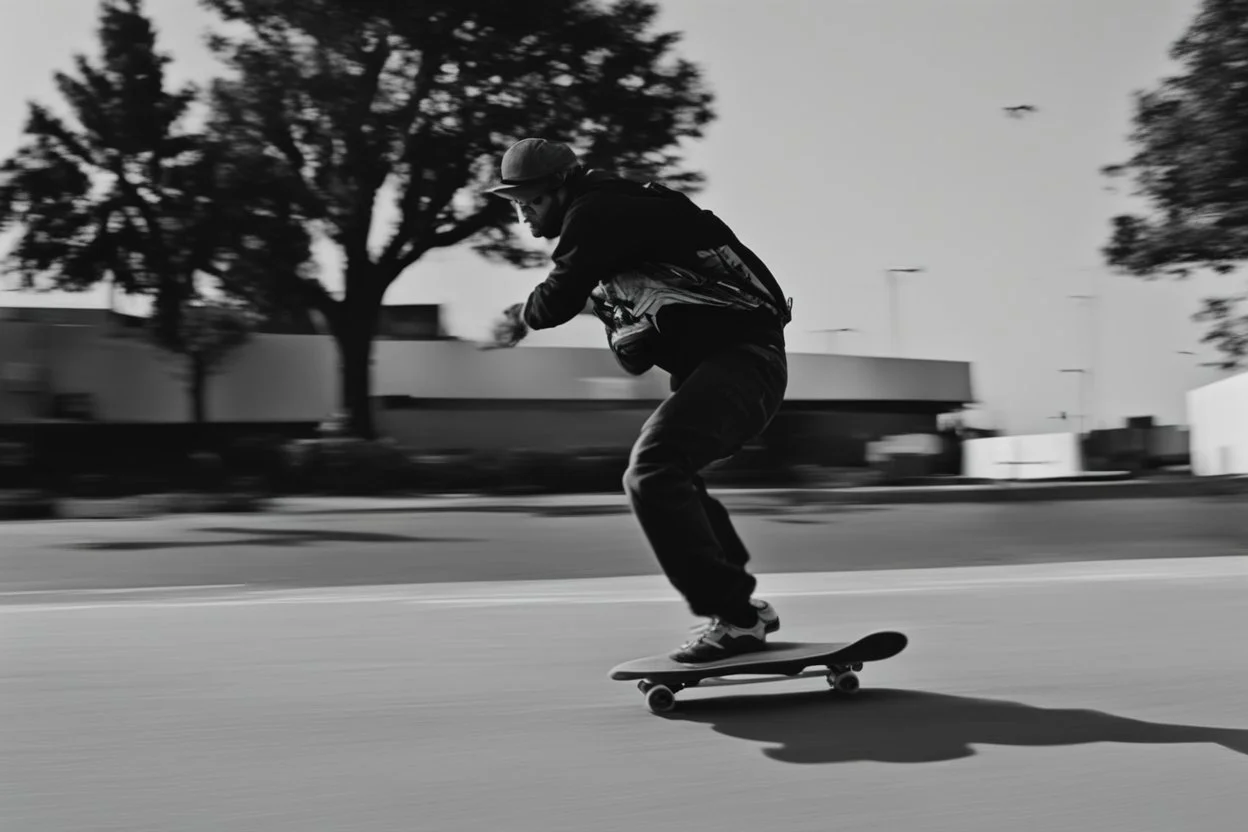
<point x="549" y="224"/>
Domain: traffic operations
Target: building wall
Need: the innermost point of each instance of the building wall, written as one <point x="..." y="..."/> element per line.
<point x="283" y="378"/>
<point x="1218" y="414"/>
<point x="821" y="377"/>
<point x="274" y="378"/>
<point x="1035" y="457"/>
<point x="459" y="370"/>
<point x="548" y="428"/>
<point x="22" y="383"/>
<point x="799" y="432"/>
<point x="839" y="438"/>
<point x="1137" y="448"/>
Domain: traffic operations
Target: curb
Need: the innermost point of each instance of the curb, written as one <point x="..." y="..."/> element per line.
<point x="151" y="505"/>
<point x="27" y="505"/>
<point x="1012" y="492"/>
<point x="746" y="499"/>
<point x="31" y="505"/>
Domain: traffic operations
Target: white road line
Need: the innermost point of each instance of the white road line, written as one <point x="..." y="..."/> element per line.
<point x="26" y="593"/>
<point x="655" y="589"/>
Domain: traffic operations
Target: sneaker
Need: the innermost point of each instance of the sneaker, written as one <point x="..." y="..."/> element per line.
<point x="766" y="614"/>
<point x="720" y="640"/>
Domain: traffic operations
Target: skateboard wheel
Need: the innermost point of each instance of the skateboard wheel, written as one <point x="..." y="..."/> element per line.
<point x="644" y="686"/>
<point x="660" y="699"/>
<point x="856" y="666"/>
<point x="844" y="681"/>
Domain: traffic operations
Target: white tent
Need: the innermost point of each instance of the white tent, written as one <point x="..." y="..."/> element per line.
<point x="1035" y="457"/>
<point x="1218" y="414"/>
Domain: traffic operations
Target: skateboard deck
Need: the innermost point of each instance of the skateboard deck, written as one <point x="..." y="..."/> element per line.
<point x="659" y="678"/>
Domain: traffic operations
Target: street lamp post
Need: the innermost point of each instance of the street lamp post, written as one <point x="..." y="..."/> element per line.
<point x="894" y="312"/>
<point x="1083" y="395"/>
<point x="1090" y="347"/>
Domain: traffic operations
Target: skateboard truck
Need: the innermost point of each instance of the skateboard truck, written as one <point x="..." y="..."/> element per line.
<point x="661" y="696"/>
<point x="660" y="678"/>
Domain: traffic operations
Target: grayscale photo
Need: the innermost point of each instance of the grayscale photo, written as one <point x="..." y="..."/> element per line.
<point x="595" y="415"/>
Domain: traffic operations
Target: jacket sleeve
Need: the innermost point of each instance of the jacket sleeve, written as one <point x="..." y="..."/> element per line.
<point x="601" y="234"/>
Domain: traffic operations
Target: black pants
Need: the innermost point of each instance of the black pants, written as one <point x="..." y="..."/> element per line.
<point x="724" y="403"/>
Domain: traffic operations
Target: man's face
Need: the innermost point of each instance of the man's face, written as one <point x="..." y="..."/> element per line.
<point x="537" y="210"/>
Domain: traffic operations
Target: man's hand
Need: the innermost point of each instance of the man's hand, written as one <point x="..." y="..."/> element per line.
<point x="509" y="329"/>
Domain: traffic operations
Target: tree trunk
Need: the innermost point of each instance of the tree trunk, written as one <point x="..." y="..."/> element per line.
<point x="199" y="390"/>
<point x="358" y="326"/>
<point x="356" y="355"/>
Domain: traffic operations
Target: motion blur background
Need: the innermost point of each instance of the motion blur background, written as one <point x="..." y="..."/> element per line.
<point x="282" y="549"/>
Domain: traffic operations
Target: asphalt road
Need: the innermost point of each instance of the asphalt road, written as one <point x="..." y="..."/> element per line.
<point x="1102" y="691"/>
<point x="548" y="542"/>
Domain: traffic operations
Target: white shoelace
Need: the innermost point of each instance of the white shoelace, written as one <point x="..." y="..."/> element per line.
<point x="697" y="631"/>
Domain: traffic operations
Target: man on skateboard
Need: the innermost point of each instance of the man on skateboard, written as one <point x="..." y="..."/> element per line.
<point x="677" y="290"/>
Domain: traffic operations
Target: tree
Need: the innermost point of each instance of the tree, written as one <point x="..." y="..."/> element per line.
<point x="208" y="333"/>
<point x="122" y="190"/>
<point x="1191" y="166"/>
<point x="381" y="111"/>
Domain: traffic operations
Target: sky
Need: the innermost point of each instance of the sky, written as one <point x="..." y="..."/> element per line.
<point x="855" y="136"/>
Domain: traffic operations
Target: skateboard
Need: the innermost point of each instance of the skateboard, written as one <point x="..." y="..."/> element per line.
<point x="660" y="678"/>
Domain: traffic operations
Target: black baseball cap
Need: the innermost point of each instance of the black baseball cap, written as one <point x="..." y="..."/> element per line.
<point x="528" y="163"/>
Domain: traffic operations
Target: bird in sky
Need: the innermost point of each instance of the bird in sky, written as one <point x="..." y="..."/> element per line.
<point x="1021" y="110"/>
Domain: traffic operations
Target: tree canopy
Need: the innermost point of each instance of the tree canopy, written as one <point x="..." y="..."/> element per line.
<point x="1191" y="169"/>
<point x="379" y="110"/>
<point x="121" y="189"/>
<point x="372" y="124"/>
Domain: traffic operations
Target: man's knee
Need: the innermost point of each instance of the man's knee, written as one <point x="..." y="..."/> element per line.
<point x="640" y="477"/>
<point x="653" y="466"/>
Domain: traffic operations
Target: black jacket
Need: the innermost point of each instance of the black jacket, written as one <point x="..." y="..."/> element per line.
<point x="612" y="224"/>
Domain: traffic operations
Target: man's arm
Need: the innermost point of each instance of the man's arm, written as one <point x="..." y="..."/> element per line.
<point x="565" y="292"/>
<point x="602" y="234"/>
<point x="508" y="330"/>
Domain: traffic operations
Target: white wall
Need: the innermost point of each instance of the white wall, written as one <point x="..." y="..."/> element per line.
<point x="870" y="378"/>
<point x="296" y="377"/>
<point x="907" y="444"/>
<point x="451" y="369"/>
<point x="272" y="378"/>
<point x="459" y="370"/>
<point x="278" y="378"/>
<point x="1218" y="414"/>
<point x="1038" y="456"/>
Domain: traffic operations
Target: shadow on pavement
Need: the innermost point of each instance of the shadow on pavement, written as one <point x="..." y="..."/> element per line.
<point x="900" y="726"/>
<point x="820" y="511"/>
<point x="781" y="512"/>
<point x="264" y="537"/>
